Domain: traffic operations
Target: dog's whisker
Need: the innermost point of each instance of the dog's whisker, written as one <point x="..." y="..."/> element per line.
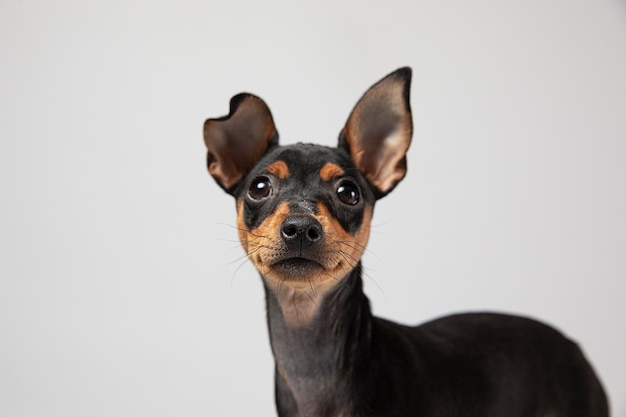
<point x="351" y="260"/>
<point x="243" y="257"/>
<point x="356" y="246"/>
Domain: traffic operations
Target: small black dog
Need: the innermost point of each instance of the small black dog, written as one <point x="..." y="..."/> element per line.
<point x="303" y="215"/>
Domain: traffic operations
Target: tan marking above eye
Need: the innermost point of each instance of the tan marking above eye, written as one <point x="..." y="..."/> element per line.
<point x="279" y="169"/>
<point x="330" y="171"/>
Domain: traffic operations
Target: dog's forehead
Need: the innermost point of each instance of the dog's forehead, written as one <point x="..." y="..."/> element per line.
<point x="302" y="161"/>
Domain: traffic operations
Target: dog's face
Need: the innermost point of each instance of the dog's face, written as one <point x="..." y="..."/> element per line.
<point x="303" y="215"/>
<point x="304" y="211"/>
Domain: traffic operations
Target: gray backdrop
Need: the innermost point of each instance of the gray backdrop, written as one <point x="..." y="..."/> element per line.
<point x="123" y="291"/>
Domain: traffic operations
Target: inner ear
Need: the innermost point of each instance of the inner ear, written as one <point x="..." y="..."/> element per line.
<point x="378" y="132"/>
<point x="236" y="142"/>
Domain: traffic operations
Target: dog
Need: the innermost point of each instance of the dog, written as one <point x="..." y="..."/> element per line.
<point x="303" y="219"/>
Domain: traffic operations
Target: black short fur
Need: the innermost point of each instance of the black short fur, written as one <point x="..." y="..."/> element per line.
<point x="333" y="357"/>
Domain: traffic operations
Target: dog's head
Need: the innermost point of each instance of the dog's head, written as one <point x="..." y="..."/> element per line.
<point x="304" y="211"/>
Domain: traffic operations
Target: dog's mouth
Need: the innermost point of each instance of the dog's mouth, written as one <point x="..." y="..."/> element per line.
<point x="297" y="267"/>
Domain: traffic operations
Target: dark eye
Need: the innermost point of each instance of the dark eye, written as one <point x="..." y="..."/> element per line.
<point x="348" y="192"/>
<point x="260" y="188"/>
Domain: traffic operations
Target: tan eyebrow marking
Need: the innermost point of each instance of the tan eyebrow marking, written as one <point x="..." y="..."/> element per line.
<point x="330" y="171"/>
<point x="279" y="169"/>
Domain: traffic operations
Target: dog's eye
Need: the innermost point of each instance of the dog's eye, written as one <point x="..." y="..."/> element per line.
<point x="348" y="192"/>
<point x="260" y="188"/>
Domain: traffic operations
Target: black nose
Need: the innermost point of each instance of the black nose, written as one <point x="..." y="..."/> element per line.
<point x="301" y="231"/>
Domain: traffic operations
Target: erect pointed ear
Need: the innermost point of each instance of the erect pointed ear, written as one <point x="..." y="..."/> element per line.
<point x="236" y="142"/>
<point x="378" y="132"/>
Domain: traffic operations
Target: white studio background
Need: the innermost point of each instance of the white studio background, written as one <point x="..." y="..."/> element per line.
<point x="123" y="291"/>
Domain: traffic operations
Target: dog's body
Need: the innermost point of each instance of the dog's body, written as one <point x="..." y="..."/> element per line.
<point x="304" y="213"/>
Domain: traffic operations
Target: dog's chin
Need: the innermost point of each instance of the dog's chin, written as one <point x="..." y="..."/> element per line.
<point x="297" y="269"/>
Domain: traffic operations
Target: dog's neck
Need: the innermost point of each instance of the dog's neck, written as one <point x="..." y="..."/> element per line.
<point x="316" y="359"/>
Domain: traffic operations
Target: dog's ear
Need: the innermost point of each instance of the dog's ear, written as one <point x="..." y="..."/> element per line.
<point x="236" y="142"/>
<point x="378" y="132"/>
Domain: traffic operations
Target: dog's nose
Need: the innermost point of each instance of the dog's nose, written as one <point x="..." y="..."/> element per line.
<point x="302" y="231"/>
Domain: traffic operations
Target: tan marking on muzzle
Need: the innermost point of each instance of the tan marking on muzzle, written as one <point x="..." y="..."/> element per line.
<point x="346" y="248"/>
<point x="263" y="244"/>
